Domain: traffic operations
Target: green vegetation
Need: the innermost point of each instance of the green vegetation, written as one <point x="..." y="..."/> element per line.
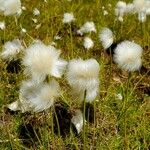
<point x="119" y="123"/>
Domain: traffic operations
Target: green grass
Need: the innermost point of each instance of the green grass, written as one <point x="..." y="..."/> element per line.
<point x="119" y="124"/>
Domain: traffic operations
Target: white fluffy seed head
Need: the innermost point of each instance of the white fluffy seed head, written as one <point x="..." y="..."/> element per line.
<point x="46" y="95"/>
<point x="42" y="60"/>
<point x="36" y="97"/>
<point x="68" y="18"/>
<point x="106" y="37"/>
<point x="11" y="49"/>
<point x="147" y="5"/>
<point x="2" y="25"/>
<point x="120" y="10"/>
<point x="130" y="8"/>
<point x="88" y="43"/>
<point x="36" y="12"/>
<point x="84" y="75"/>
<point x="10" y="7"/>
<point x="87" y="27"/>
<point x="128" y="56"/>
<point x="139" y="5"/>
<point x="105" y="12"/>
<point x="77" y="120"/>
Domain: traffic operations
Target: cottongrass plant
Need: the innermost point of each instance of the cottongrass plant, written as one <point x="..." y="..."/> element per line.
<point x="128" y="57"/>
<point x="83" y="77"/>
<point x="43" y="60"/>
<point x="36" y="97"/>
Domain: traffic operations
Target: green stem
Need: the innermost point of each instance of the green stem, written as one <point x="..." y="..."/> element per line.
<point x="84" y="105"/>
<point x="125" y="111"/>
<point x="57" y="122"/>
<point x="71" y="41"/>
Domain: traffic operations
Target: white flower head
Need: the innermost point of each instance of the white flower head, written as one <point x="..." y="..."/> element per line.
<point x="23" y="30"/>
<point x="105" y="12"/>
<point x="36" y="12"/>
<point x="57" y="37"/>
<point x="88" y="43"/>
<point x="109" y="5"/>
<point x="130" y="8"/>
<point x="10" y="7"/>
<point x="147" y="6"/>
<point x="68" y="18"/>
<point x="148" y="11"/>
<point x="120" y="10"/>
<point x="83" y="75"/>
<point x="106" y="37"/>
<point x="128" y="56"/>
<point x="42" y="60"/>
<point x="103" y="7"/>
<point x="139" y="5"/>
<point x="38" y="26"/>
<point x="2" y="25"/>
<point x="34" y="20"/>
<point x="11" y="49"/>
<point x="77" y="120"/>
<point x="87" y="27"/>
<point x="36" y="97"/>
<point x="23" y="8"/>
<point x="119" y="96"/>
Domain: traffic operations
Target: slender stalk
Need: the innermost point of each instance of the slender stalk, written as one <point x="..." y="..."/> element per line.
<point x="84" y="104"/>
<point x="125" y="111"/>
<point x="16" y="20"/>
<point x="57" y="121"/>
<point x="94" y="122"/>
<point x="52" y="124"/>
<point x="71" y="41"/>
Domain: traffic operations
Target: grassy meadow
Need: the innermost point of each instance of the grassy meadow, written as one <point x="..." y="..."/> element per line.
<point x="122" y="109"/>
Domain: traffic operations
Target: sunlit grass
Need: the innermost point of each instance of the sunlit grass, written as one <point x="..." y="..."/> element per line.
<point x="117" y="125"/>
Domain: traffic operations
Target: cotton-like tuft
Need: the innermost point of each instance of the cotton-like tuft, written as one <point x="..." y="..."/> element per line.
<point x="105" y="12"/>
<point x="36" y="12"/>
<point x="11" y="49"/>
<point x="36" y="97"/>
<point x="139" y="5"/>
<point x="120" y="10"/>
<point x="68" y="18"/>
<point x="128" y="56"/>
<point x="41" y="60"/>
<point x="130" y="8"/>
<point x="106" y="37"/>
<point x="10" y="7"/>
<point x="83" y="75"/>
<point x="88" y="43"/>
<point x="2" y="25"/>
<point x="87" y="27"/>
<point x="77" y="120"/>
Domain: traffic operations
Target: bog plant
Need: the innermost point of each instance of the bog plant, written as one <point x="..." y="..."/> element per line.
<point x="62" y="90"/>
